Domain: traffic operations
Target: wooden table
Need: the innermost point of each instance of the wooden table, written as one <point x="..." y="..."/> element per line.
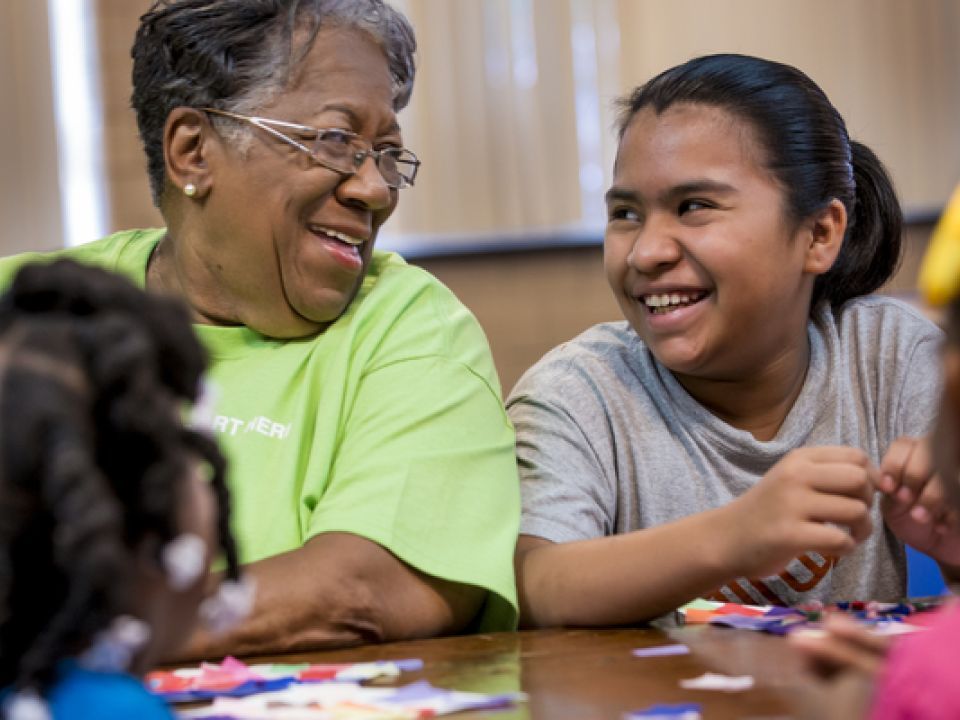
<point x="585" y="674"/>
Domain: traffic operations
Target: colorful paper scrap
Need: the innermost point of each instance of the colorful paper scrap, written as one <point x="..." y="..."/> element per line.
<point x="233" y="678"/>
<point x="782" y="620"/>
<point x="339" y="701"/>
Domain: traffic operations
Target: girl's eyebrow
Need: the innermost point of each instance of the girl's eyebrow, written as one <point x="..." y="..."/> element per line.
<point x="692" y="187"/>
<point x="714" y="187"/>
<point x="615" y="194"/>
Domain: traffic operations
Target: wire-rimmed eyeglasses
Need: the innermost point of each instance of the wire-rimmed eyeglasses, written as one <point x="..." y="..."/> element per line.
<point x="339" y="150"/>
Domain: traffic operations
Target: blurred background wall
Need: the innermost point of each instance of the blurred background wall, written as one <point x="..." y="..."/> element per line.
<point x="512" y="116"/>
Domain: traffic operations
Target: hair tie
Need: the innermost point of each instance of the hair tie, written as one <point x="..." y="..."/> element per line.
<point x="113" y="649"/>
<point x="183" y="560"/>
<point x="232" y="603"/>
<point x="26" y="705"/>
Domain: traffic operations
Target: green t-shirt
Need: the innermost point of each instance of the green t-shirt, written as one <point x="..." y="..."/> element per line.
<point x="389" y="425"/>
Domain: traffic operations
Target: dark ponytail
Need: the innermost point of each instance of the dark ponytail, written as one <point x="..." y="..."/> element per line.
<point x="872" y="246"/>
<point x="808" y="150"/>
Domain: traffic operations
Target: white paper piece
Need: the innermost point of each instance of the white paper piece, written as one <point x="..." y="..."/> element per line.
<point x="894" y="628"/>
<point x="715" y="681"/>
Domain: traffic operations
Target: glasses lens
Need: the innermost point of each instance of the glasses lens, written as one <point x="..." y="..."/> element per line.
<point x="398" y="167"/>
<point x="337" y="149"/>
<point x="344" y="152"/>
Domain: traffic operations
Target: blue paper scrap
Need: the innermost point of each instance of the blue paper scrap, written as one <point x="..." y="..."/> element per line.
<point x="677" y="711"/>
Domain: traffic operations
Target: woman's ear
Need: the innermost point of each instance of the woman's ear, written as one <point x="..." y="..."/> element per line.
<point x="824" y="237"/>
<point x="186" y="135"/>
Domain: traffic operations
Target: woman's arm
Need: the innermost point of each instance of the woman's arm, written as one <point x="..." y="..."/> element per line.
<point x="339" y="590"/>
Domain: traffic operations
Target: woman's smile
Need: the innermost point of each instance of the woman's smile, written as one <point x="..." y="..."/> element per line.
<point x="343" y="248"/>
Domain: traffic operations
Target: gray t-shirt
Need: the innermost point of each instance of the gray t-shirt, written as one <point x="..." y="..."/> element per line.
<point x="608" y="441"/>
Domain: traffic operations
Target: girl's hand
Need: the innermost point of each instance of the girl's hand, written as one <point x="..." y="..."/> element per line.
<point x="844" y="659"/>
<point x="914" y="506"/>
<point x="815" y="499"/>
<point x="841" y="645"/>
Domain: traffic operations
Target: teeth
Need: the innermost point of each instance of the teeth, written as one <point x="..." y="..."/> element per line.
<point x="666" y="300"/>
<point x="342" y="237"/>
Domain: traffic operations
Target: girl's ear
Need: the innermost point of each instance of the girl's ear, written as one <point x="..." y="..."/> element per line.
<point x="186" y="134"/>
<point x="823" y="235"/>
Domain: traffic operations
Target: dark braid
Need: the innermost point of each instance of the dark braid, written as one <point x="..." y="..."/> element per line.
<point x="206" y="447"/>
<point x="93" y="455"/>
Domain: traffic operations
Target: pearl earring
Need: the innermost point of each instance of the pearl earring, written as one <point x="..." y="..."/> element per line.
<point x="190" y="190"/>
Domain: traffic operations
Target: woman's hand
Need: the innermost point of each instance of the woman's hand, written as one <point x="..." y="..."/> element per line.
<point x="815" y="499"/>
<point x="914" y="505"/>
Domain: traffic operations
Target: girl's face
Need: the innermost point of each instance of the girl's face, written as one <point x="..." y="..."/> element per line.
<point x="172" y="614"/>
<point x="698" y="249"/>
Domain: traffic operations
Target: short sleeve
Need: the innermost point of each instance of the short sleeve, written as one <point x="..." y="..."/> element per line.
<point x="920" y="392"/>
<point x="567" y="492"/>
<point x="425" y="465"/>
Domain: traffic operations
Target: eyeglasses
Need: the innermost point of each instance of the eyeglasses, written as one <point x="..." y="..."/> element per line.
<point x="339" y="150"/>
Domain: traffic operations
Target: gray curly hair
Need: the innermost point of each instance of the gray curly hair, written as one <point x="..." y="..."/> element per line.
<point x="237" y="55"/>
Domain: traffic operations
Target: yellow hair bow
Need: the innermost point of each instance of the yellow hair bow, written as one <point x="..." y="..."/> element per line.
<point x="940" y="269"/>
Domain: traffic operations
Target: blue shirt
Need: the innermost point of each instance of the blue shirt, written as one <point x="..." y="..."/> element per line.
<point x="82" y="694"/>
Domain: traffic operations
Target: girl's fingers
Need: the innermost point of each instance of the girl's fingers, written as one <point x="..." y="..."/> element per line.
<point x="851" y="515"/>
<point x="852" y="480"/>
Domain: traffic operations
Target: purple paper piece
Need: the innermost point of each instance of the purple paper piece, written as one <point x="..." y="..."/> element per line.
<point x="773" y="625"/>
<point x="409" y="665"/>
<point x="420" y="690"/>
<point x="780" y="611"/>
<point x="661" y="651"/>
<point x="676" y="711"/>
<point x="743" y="622"/>
<point x="423" y="690"/>
<point x="488" y="702"/>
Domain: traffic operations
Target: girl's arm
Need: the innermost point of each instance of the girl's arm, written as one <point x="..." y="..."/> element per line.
<point x="622" y="579"/>
<point x="815" y="499"/>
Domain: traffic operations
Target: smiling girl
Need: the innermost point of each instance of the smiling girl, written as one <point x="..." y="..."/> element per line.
<point x="729" y="438"/>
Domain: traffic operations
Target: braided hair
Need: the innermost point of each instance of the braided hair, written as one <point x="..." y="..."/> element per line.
<point x="93" y="456"/>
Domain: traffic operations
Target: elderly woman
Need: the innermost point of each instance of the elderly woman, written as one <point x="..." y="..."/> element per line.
<point x="371" y="459"/>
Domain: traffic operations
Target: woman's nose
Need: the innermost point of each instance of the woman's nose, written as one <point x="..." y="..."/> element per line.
<point x="367" y="187"/>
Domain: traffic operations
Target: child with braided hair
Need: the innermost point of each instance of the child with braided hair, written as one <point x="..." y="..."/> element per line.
<point x="111" y="507"/>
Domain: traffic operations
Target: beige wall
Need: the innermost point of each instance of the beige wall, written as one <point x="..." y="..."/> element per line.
<point x="891" y="67"/>
<point x="29" y="183"/>
<point x="128" y="190"/>
<point x="501" y="156"/>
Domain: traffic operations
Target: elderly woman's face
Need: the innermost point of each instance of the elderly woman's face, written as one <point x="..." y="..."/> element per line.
<point x="286" y="242"/>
